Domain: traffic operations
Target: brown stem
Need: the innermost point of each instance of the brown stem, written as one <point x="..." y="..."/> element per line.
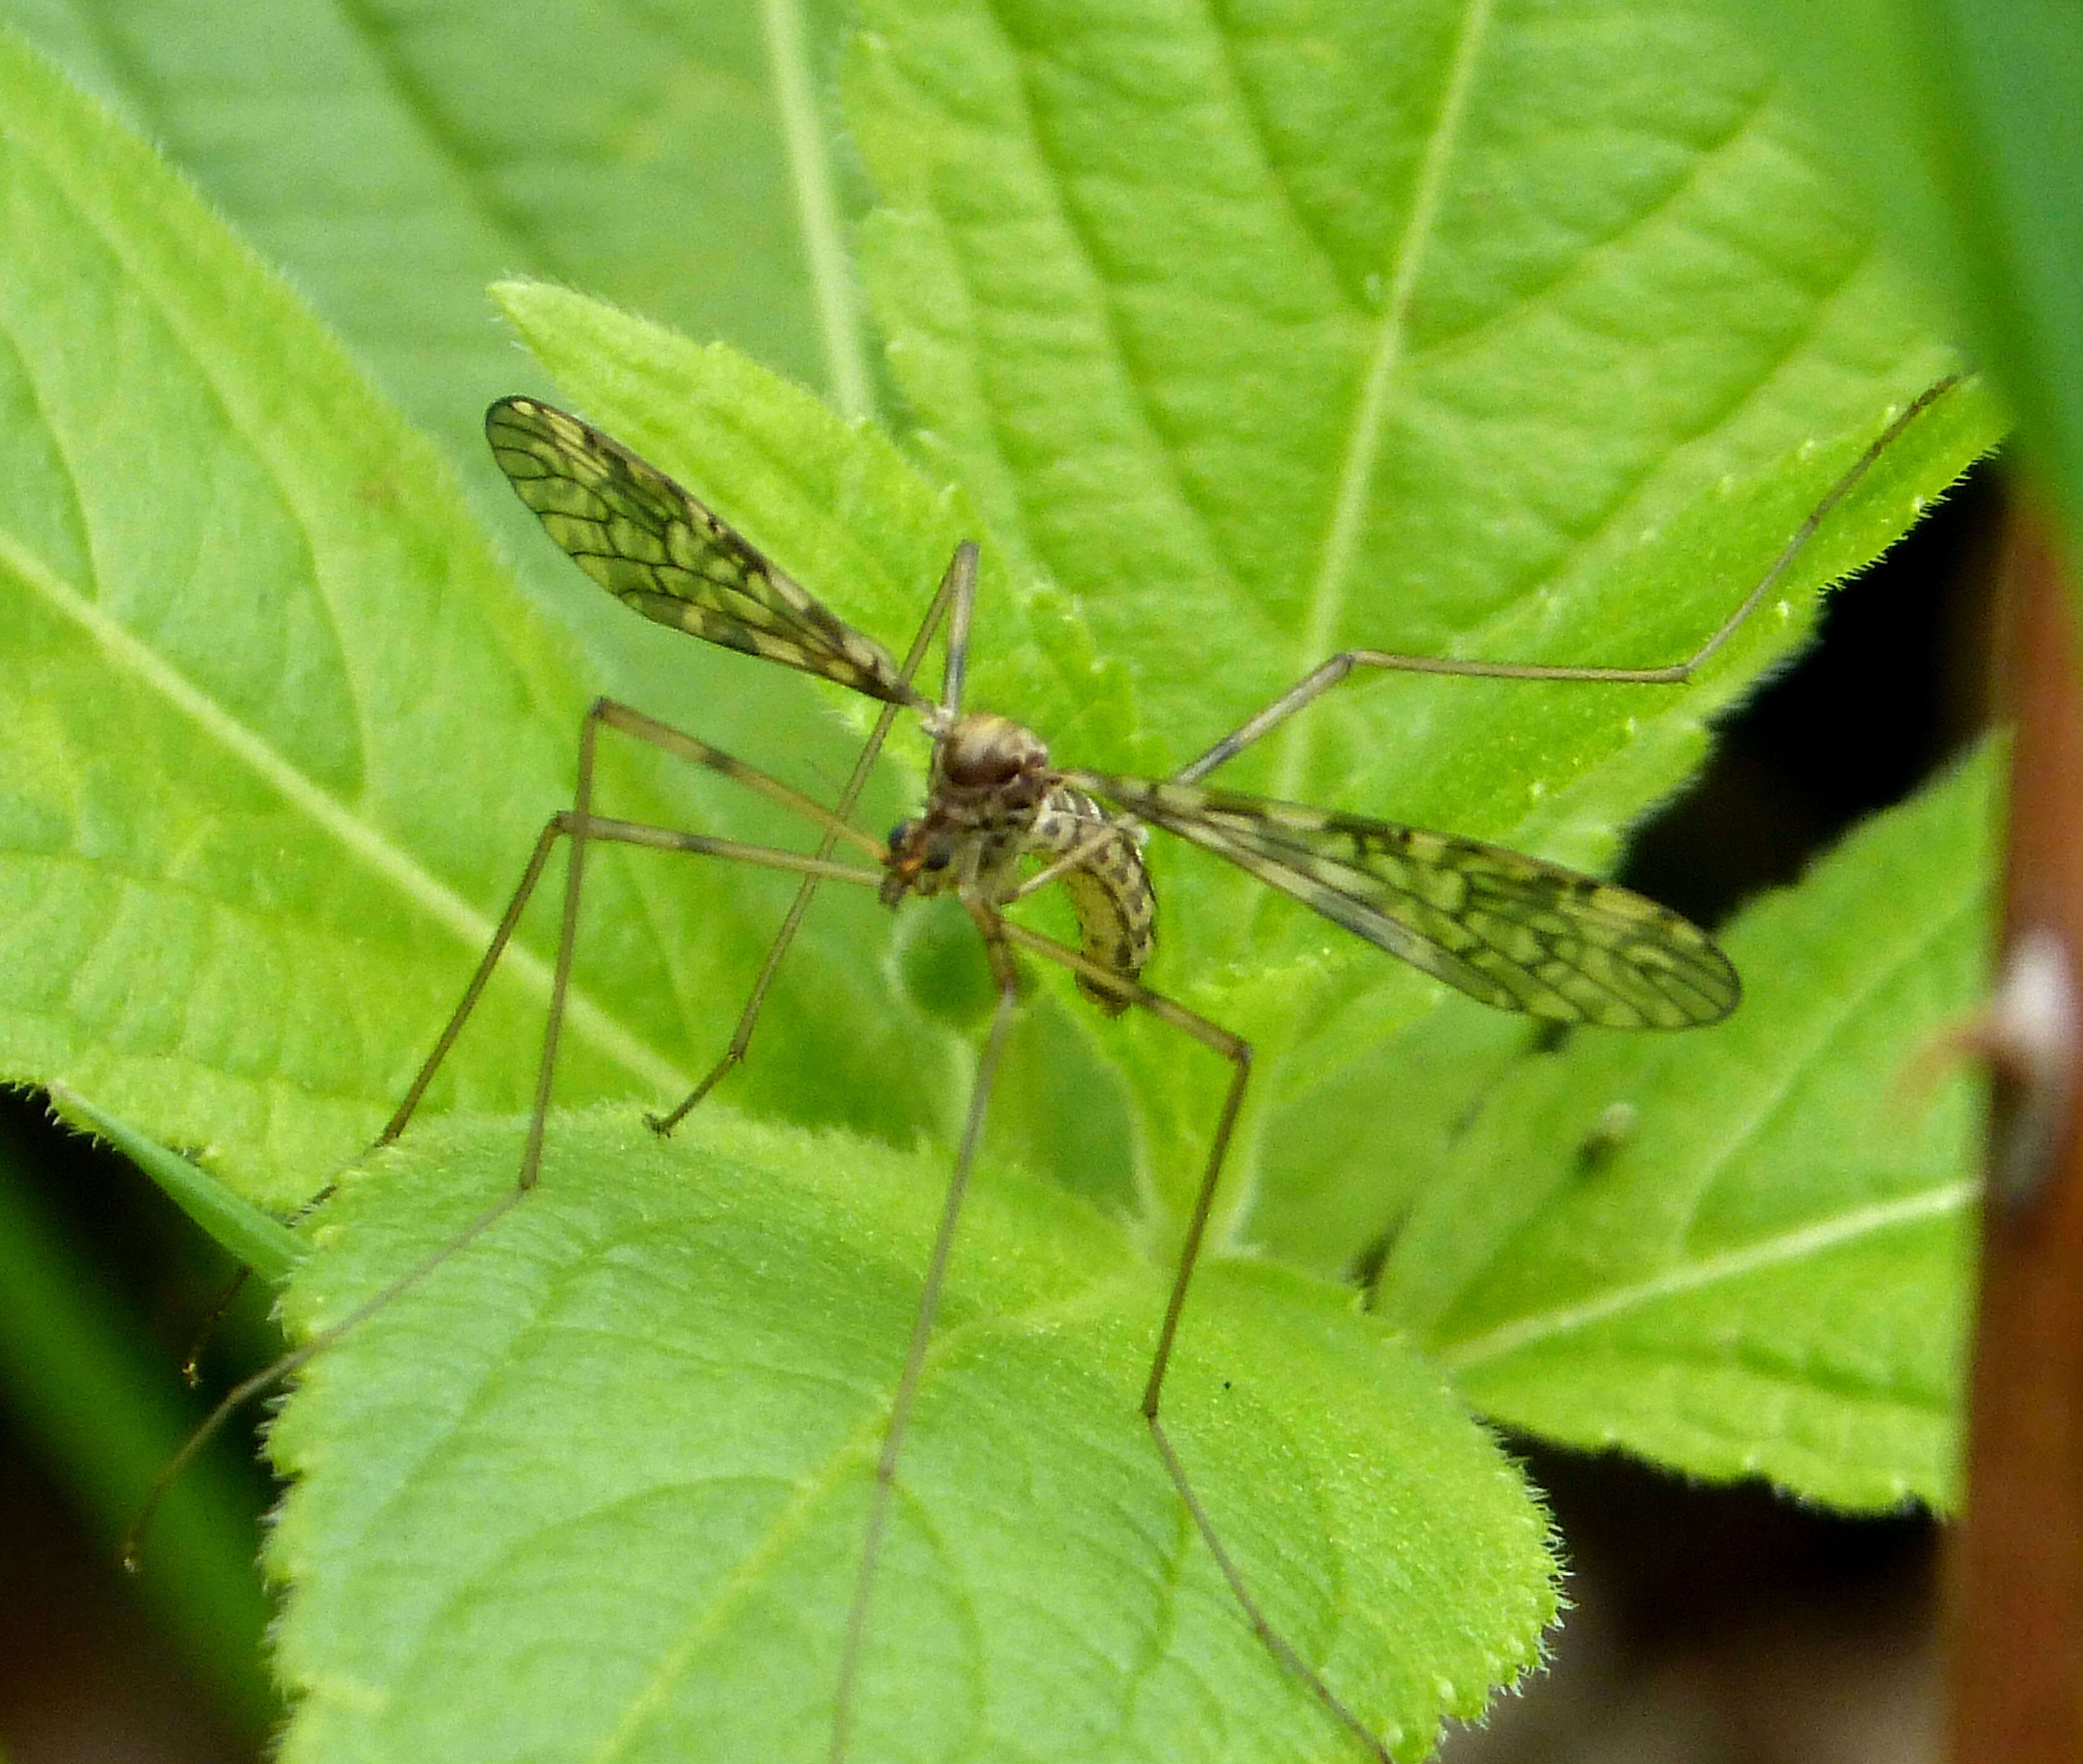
<point x="2016" y="1614"/>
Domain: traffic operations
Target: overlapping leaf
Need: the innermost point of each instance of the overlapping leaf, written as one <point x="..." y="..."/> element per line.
<point x="1786" y="1297"/>
<point x="601" y="1487"/>
<point x="280" y="733"/>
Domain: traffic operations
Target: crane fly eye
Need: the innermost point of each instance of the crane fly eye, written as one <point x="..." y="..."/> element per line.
<point x="910" y="843"/>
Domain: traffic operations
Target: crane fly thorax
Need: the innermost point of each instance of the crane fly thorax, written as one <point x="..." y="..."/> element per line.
<point x="987" y="770"/>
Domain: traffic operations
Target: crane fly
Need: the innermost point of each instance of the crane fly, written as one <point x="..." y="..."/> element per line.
<point x="1509" y="929"/>
<point x="1002" y="820"/>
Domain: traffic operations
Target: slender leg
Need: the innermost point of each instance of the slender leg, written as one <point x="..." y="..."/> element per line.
<point x="580" y="827"/>
<point x="502" y="935"/>
<point x="1237" y="1051"/>
<point x="998" y="933"/>
<point x="1314" y="685"/>
<point x="961" y="587"/>
<point x="922" y="1323"/>
<point x="957" y="587"/>
<point x="683" y="746"/>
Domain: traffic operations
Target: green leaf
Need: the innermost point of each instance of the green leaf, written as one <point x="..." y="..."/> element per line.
<point x="258" y="1240"/>
<point x="1788" y="1297"/>
<point x="1965" y="122"/>
<point x="599" y="1482"/>
<point x="1438" y="329"/>
<point x="280" y="733"/>
<point x="395" y="161"/>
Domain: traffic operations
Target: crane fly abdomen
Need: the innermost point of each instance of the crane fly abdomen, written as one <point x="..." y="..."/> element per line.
<point x="1109" y="889"/>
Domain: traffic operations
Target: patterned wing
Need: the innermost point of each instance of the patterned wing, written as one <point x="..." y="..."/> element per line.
<point x="1507" y="929"/>
<point x="652" y="547"/>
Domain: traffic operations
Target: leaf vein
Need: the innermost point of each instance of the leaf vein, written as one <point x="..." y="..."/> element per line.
<point x="1778" y="1252"/>
<point x="1803" y="1056"/>
<point x="1159" y="450"/>
<point x="442" y="904"/>
<point x="416" y="99"/>
<point x="1254" y="125"/>
<point x="1579" y="266"/>
<point x="1363" y="448"/>
<point x="859" y="1448"/>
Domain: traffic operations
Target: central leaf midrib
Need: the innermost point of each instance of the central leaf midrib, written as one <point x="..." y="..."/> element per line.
<point x="1692" y="1277"/>
<point x="1328" y="591"/>
<point x="860" y="1445"/>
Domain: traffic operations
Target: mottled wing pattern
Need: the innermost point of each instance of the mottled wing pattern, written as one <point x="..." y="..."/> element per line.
<point x="654" y="548"/>
<point x="1507" y="929"/>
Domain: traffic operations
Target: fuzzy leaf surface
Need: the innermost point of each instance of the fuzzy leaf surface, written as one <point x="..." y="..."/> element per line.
<point x="598" y="1484"/>
<point x="1790" y="1299"/>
